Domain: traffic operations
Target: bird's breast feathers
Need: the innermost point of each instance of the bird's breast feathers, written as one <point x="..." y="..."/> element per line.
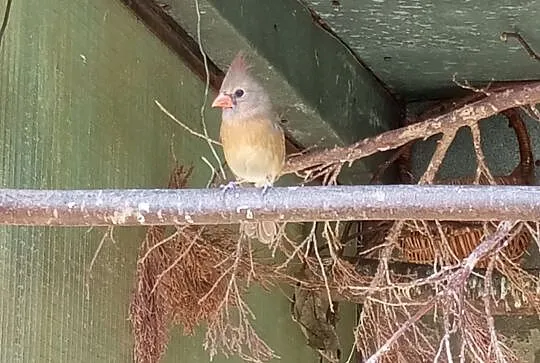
<point x="254" y="149"/>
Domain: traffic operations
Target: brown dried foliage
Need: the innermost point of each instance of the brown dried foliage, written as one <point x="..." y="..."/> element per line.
<point x="449" y="242"/>
<point x="378" y="323"/>
<point x="461" y="247"/>
<point x="199" y="275"/>
<point x="148" y="314"/>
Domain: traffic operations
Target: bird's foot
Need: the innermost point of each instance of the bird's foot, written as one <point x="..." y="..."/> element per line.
<point x="232" y="185"/>
<point x="265" y="187"/>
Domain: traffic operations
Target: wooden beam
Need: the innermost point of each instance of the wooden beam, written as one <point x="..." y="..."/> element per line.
<point x="174" y="36"/>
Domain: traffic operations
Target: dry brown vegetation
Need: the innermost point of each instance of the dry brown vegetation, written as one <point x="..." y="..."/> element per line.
<point x="411" y="278"/>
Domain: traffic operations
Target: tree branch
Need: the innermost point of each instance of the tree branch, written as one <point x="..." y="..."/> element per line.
<point x="494" y="103"/>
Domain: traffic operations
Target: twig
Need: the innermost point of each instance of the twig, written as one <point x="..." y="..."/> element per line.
<point x="532" y="108"/>
<point x="381" y="169"/>
<point x="531" y="111"/>
<point x="178" y="259"/>
<point x="445" y="342"/>
<point x="214" y="172"/>
<point x="466" y="85"/>
<point x="494" y="342"/>
<point x="511" y="97"/>
<point x="404" y="327"/>
<point x="323" y="272"/>
<point x="488" y="244"/>
<point x="160" y="243"/>
<point x="187" y="128"/>
<point x="206" y="88"/>
<point x="297" y="247"/>
<point x="108" y="234"/>
<point x="438" y="156"/>
<point x="481" y="166"/>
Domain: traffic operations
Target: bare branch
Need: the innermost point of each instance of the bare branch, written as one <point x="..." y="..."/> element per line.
<point x="481" y="166"/>
<point x="496" y="102"/>
<point x="437" y="158"/>
<point x="184" y="126"/>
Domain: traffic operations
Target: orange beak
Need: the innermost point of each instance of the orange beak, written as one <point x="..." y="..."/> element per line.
<point x="223" y="101"/>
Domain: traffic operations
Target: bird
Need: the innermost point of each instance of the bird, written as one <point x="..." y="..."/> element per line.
<point x="251" y="135"/>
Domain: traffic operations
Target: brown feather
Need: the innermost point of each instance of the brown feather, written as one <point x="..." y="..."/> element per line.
<point x="254" y="149"/>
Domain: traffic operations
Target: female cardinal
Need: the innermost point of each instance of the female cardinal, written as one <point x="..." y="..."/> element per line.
<point x="253" y="141"/>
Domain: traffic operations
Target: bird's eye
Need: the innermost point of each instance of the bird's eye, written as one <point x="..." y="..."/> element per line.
<point x="239" y="93"/>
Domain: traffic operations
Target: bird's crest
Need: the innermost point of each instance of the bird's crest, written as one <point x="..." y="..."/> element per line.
<point x="238" y="72"/>
<point x="239" y="64"/>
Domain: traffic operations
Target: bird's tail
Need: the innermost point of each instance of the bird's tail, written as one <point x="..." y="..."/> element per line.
<point x="266" y="232"/>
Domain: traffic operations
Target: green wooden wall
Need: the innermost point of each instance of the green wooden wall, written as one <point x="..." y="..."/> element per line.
<point x="416" y="46"/>
<point x="78" y="80"/>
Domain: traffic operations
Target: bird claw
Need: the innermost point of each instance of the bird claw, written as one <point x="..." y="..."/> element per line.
<point x="265" y="187"/>
<point x="229" y="186"/>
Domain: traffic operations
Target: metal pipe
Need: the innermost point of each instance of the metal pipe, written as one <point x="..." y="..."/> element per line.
<point x="295" y="204"/>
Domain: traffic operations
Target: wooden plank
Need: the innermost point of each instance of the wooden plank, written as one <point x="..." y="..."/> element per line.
<point x="416" y="47"/>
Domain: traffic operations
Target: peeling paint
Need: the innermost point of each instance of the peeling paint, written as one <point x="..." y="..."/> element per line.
<point x="144" y="207"/>
<point x="140" y="218"/>
<point x="120" y="217"/>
